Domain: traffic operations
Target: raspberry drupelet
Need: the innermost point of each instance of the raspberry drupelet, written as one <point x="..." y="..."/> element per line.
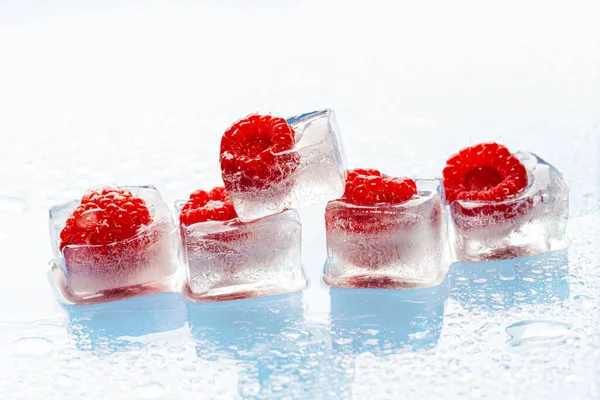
<point x="385" y="232"/>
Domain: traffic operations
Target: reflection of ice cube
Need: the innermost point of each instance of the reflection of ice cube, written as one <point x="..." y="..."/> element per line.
<point x="143" y="264"/>
<point x="380" y="320"/>
<point x="319" y="177"/>
<point x="506" y="284"/>
<point x="240" y="326"/>
<point x="109" y="327"/>
<point x="389" y="246"/>
<point x="231" y="259"/>
<point x="269" y="341"/>
<point x="532" y="223"/>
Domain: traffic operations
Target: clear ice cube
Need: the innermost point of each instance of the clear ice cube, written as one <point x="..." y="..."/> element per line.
<point x="388" y="246"/>
<point x="227" y="260"/>
<point x="143" y="264"/>
<point x="319" y="177"/>
<point x="532" y="223"/>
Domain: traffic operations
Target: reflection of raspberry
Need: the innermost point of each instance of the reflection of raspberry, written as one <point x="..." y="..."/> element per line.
<point x="105" y="216"/>
<point x="369" y="187"/>
<point x="202" y="206"/>
<point x="487" y="171"/>
<point x="256" y="152"/>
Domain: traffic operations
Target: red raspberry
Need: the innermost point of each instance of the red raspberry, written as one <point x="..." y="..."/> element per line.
<point x="367" y="187"/>
<point x="256" y="152"/>
<point x="105" y="215"/>
<point x="487" y="171"/>
<point x="202" y="206"/>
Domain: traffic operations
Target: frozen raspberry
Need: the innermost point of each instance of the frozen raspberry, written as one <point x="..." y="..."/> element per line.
<point x="105" y="215"/>
<point x="256" y="152"/>
<point x="207" y="206"/>
<point x="367" y="187"/>
<point x="487" y="171"/>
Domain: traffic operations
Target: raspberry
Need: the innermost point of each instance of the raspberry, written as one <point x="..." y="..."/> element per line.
<point x="368" y="187"/>
<point x="487" y="171"/>
<point x="202" y="206"/>
<point x="105" y="215"/>
<point x="256" y="152"/>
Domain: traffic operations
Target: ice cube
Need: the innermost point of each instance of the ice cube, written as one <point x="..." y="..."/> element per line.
<point x="227" y="260"/>
<point x="531" y="223"/>
<point x="318" y="177"/>
<point x="388" y="245"/>
<point x="143" y="264"/>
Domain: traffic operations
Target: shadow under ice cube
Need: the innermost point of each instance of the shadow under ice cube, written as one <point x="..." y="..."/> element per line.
<point x="387" y="245"/>
<point x="228" y="260"/>
<point x="534" y="222"/>
<point x="140" y="265"/>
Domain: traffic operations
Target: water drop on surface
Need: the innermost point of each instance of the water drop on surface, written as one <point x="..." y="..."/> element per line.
<point x="507" y="274"/>
<point x="584" y="301"/>
<point x="530" y="331"/>
<point x="149" y="391"/>
<point x="32" y="347"/>
<point x="12" y="205"/>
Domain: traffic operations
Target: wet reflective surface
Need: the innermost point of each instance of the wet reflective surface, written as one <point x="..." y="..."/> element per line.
<point x="144" y="103"/>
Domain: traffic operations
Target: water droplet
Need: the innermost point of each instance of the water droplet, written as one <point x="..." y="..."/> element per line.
<point x="32" y="347"/>
<point x="529" y="331"/>
<point x="64" y="381"/>
<point x="584" y="301"/>
<point x="419" y="335"/>
<point x="12" y="205"/>
<point x="537" y="271"/>
<point x="572" y="378"/>
<point x="149" y="391"/>
<point x="507" y="274"/>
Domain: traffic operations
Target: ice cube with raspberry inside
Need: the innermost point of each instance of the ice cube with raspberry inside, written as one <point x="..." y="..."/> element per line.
<point x="227" y="259"/>
<point x="270" y="165"/>
<point x="386" y="233"/>
<point x="115" y="242"/>
<point x="504" y="205"/>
